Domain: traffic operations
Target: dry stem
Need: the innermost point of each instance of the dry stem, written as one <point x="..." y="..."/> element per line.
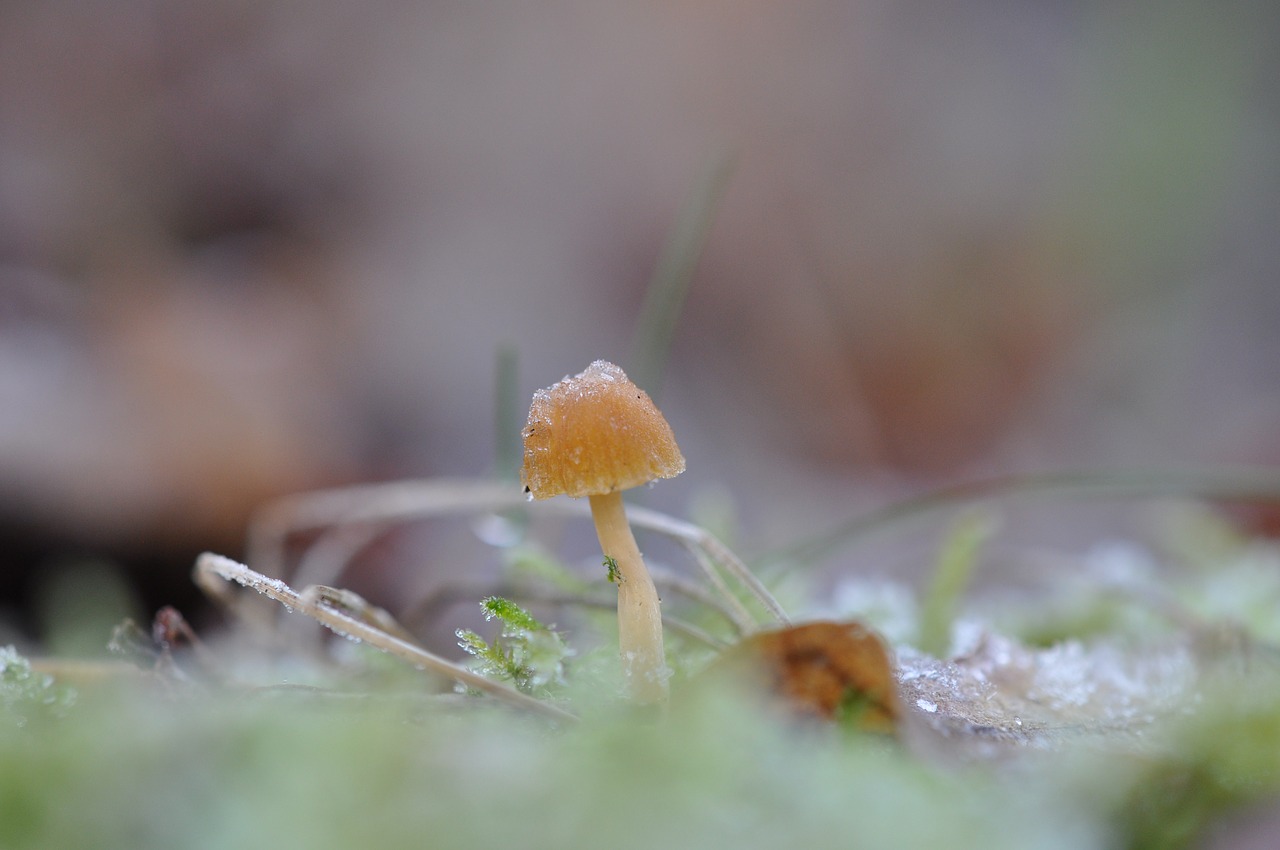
<point x="211" y="568"/>
<point x="377" y="504"/>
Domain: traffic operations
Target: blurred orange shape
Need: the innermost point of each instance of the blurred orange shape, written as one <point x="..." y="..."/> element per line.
<point x="826" y="670"/>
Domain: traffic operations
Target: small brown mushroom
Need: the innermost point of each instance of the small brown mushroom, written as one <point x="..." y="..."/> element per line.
<point x="595" y="435"/>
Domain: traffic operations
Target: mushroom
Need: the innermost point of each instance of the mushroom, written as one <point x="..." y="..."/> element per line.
<point x="595" y="435"/>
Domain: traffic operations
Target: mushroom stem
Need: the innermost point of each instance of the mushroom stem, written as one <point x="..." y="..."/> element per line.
<point x="639" y="615"/>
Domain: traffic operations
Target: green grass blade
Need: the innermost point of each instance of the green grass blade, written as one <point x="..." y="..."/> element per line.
<point x="506" y="414"/>
<point x="957" y="561"/>
<point x="665" y="297"/>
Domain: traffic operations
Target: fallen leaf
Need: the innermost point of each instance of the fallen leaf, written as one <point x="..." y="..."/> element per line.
<point x="827" y="670"/>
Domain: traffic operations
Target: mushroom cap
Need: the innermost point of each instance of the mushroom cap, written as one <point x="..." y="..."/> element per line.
<point x="595" y="433"/>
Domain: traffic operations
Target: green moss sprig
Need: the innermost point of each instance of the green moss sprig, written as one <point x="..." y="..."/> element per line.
<point x="526" y="653"/>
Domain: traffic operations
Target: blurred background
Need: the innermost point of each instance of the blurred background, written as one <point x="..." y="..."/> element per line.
<point x="248" y="249"/>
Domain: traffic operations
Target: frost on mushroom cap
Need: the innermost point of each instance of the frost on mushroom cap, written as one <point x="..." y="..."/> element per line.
<point x="595" y="433"/>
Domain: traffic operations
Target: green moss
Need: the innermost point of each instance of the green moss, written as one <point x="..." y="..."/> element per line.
<point x="1218" y="761"/>
<point x="140" y="770"/>
<point x="26" y="694"/>
<point x="525" y="653"/>
<point x="513" y="616"/>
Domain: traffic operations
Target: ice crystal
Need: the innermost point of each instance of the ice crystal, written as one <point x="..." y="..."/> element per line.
<point x="25" y="693"/>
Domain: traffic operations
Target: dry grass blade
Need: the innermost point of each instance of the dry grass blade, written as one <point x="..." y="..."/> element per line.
<point x="212" y="571"/>
<point x="1213" y="485"/>
<point x="708" y="550"/>
<point x="422" y="499"/>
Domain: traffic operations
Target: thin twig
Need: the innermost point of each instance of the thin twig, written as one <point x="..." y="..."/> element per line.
<point x="698" y="539"/>
<point x="384" y="502"/>
<point x="357" y="607"/>
<point x="421" y="499"/>
<point x="737" y="616"/>
<point x="210" y="567"/>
